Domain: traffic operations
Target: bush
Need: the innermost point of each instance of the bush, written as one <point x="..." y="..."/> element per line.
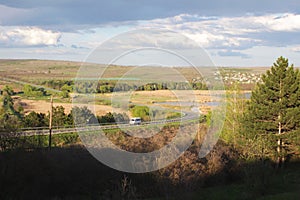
<point x="31" y="91"/>
<point x="141" y="111"/>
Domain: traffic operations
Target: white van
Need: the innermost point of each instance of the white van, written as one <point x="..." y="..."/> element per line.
<point x="135" y="121"/>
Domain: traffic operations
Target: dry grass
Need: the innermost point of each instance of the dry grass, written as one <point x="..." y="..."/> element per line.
<point x="42" y="106"/>
<point x="138" y="97"/>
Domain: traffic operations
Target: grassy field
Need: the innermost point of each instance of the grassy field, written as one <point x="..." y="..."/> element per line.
<point x="38" y="70"/>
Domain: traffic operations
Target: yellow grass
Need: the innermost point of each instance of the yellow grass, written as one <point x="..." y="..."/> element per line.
<point x="42" y="106"/>
<point x="137" y="97"/>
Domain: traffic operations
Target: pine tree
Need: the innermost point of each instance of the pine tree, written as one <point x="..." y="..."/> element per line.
<point x="274" y="109"/>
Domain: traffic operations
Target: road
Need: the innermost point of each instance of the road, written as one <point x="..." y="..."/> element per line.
<point x="187" y="116"/>
<point x="191" y="115"/>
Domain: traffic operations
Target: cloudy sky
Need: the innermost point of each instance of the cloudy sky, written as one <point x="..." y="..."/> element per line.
<point x="233" y="32"/>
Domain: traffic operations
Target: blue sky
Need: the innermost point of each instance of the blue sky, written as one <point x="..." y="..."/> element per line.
<point x="233" y="32"/>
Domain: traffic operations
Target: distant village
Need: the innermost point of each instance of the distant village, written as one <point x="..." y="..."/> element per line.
<point x="231" y="76"/>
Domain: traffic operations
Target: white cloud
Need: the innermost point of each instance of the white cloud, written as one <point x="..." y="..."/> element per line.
<point x="287" y="22"/>
<point x="149" y="38"/>
<point x="28" y="36"/>
<point x="295" y="49"/>
<point x="228" y="32"/>
<point x="234" y="40"/>
<point x="208" y="32"/>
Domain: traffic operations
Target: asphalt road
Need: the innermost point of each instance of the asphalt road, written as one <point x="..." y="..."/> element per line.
<point x="187" y="116"/>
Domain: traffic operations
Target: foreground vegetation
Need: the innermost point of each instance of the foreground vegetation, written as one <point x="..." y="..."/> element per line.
<point x="72" y="173"/>
<point x="256" y="157"/>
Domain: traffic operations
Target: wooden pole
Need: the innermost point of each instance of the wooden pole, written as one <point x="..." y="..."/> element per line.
<point x="50" y="122"/>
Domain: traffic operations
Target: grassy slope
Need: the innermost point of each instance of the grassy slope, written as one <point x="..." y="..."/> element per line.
<point x="33" y="70"/>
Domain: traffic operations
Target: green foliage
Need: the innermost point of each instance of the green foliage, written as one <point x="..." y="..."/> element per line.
<point x="8" y="104"/>
<point x="274" y="109"/>
<point x="199" y="86"/>
<point x="83" y="116"/>
<point x="31" y="91"/>
<point x="235" y="106"/>
<point x="90" y="86"/>
<point x="107" y="118"/>
<point x="105" y="89"/>
<point x="6" y="101"/>
<point x="10" y="119"/>
<point x="58" y="84"/>
<point x="172" y="115"/>
<point x="141" y="111"/>
<point x="148" y="114"/>
<point x="34" y="119"/>
<point x="121" y="117"/>
<point x="60" y="118"/>
<point x="208" y="119"/>
<point x="8" y="90"/>
<point x="65" y="139"/>
<point x="9" y="123"/>
<point x="66" y="89"/>
<point x="113" y="117"/>
<point x="42" y="141"/>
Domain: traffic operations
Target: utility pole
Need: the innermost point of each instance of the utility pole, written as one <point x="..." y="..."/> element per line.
<point x="50" y="122"/>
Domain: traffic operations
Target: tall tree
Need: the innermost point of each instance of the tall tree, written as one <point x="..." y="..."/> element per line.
<point x="235" y="106"/>
<point x="274" y="109"/>
<point x="59" y="117"/>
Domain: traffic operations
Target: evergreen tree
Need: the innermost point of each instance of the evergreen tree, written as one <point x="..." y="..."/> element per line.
<point x="274" y="109"/>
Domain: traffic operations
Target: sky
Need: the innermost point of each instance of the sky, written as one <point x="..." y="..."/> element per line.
<point x="231" y="32"/>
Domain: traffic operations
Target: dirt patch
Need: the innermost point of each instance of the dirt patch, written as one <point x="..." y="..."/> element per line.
<point x="42" y="106"/>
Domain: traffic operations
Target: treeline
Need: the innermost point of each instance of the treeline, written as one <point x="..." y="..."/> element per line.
<point x="57" y="84"/>
<point x="66" y="87"/>
<point x="107" y="86"/>
<point x="77" y="116"/>
<point x="113" y="86"/>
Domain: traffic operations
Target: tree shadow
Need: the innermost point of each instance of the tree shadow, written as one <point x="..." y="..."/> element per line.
<point x="72" y="173"/>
